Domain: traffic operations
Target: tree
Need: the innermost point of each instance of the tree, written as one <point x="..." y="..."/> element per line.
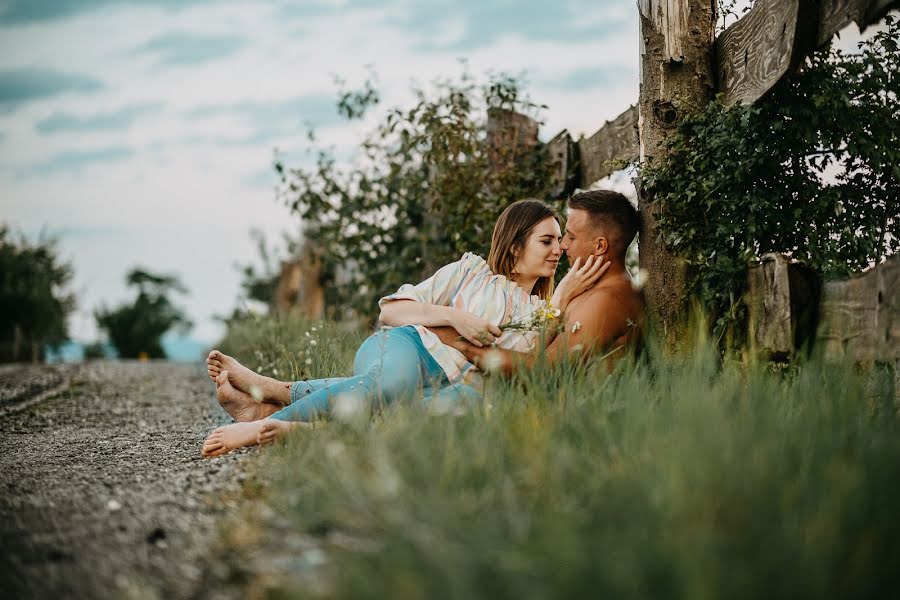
<point x="33" y="302"/>
<point x="136" y="329"/>
<point x="428" y="186"/>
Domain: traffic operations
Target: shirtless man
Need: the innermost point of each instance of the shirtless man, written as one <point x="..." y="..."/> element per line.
<point x="607" y="319"/>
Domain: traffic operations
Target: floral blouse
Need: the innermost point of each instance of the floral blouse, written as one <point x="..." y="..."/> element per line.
<point x="469" y="284"/>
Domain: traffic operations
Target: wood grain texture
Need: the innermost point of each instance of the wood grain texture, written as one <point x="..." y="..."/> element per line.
<point x="769" y="300"/>
<point x="756" y="52"/>
<point x="860" y="316"/>
<point x="616" y="141"/>
<point x="670" y="18"/>
<point x="562" y="154"/>
<point x="834" y="15"/>
<point x="783" y="297"/>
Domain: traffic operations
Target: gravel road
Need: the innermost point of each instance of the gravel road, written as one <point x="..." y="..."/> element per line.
<point x="103" y="493"/>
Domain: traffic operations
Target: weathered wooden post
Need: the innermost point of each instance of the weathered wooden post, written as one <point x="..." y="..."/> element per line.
<point x="676" y="74"/>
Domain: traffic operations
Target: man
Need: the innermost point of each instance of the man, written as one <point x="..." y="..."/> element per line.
<point x="606" y="319"/>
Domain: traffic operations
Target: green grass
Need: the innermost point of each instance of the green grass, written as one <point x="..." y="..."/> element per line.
<point x="666" y="479"/>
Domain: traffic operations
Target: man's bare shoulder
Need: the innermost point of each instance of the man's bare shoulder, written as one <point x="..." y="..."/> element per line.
<point x="619" y="296"/>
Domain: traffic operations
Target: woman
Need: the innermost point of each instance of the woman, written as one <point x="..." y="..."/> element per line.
<point x="471" y="295"/>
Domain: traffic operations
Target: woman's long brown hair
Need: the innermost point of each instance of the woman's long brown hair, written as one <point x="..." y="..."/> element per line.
<point x="510" y="235"/>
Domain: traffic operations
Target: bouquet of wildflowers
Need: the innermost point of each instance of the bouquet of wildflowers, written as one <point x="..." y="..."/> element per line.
<point x="545" y="317"/>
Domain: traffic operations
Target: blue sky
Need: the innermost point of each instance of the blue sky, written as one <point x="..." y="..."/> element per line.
<point x="142" y="132"/>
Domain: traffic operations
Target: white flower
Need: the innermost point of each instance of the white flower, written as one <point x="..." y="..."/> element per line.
<point x="492" y="361"/>
<point x="576" y="326"/>
<point x="577" y="348"/>
<point x="641" y="278"/>
<point x="313" y="342"/>
<point x="309" y="361"/>
<point x="347" y="406"/>
<point x="312" y="328"/>
<point x="256" y="392"/>
<point x="334" y="449"/>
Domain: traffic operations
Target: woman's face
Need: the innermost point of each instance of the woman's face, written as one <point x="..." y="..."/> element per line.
<point x="541" y="254"/>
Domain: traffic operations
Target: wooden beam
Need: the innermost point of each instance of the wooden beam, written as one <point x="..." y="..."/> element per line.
<point x="860" y="316"/>
<point x="756" y="52"/>
<point x="783" y="300"/>
<point x="563" y="155"/>
<point x="676" y="77"/>
<point x="776" y="35"/>
<point x="834" y="15"/>
<point x="670" y="19"/>
<point x="615" y="142"/>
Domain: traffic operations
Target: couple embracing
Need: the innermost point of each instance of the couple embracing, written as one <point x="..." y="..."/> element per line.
<point x="445" y="331"/>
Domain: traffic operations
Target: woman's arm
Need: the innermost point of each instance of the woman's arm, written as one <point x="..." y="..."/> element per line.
<point x="476" y="330"/>
<point x="578" y="280"/>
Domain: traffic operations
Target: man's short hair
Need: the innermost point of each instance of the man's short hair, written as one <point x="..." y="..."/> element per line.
<point x="610" y="214"/>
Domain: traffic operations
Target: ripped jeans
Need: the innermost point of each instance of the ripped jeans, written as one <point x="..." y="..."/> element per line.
<point x="390" y="365"/>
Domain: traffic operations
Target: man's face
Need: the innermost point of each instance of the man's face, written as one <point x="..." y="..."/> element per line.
<point x="580" y="240"/>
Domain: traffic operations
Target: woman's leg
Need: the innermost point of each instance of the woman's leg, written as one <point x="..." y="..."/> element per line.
<point x="388" y="367"/>
<point x="301" y="389"/>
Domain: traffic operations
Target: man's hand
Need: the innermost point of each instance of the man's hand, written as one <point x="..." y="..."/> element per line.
<point x="451" y="337"/>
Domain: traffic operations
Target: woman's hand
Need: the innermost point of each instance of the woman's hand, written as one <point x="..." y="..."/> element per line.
<point x="476" y="330"/>
<point x="579" y="279"/>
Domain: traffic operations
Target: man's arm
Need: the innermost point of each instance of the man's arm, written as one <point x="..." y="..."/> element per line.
<point x="591" y="325"/>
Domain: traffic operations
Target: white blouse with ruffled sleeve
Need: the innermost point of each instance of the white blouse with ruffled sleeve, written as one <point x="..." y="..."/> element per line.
<point x="468" y="284"/>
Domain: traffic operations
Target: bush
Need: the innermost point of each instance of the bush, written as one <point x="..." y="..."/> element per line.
<point x="33" y="300"/>
<point x="427" y="187"/>
<point x="136" y="329"/>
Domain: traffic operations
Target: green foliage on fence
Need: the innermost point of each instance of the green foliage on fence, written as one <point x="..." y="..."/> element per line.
<point x="34" y="303"/>
<point x="426" y="187"/>
<point x="813" y="170"/>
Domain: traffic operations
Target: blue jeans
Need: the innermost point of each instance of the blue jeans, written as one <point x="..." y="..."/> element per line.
<point x="390" y="365"/>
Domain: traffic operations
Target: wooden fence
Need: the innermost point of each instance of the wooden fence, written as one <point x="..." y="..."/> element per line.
<point x="857" y="319"/>
<point x="750" y="57"/>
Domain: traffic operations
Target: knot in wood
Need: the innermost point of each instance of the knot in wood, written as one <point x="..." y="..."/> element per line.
<point x="665" y="113"/>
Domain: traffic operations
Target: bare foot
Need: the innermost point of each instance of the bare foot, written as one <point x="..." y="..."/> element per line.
<point x="274" y="429"/>
<point x="240" y="405"/>
<point x="230" y="437"/>
<point x="243" y="379"/>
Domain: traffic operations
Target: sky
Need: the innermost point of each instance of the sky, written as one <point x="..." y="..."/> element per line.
<point x="141" y="133"/>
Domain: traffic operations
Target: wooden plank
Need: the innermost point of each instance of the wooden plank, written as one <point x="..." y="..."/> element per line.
<point x="776" y="35"/>
<point x="756" y="52"/>
<point x="674" y="81"/>
<point x="616" y="141"/>
<point x="671" y="20"/>
<point x="860" y="316"/>
<point x="834" y="15"/>
<point x="563" y="155"/>
<point x="783" y="298"/>
<point x="769" y="302"/>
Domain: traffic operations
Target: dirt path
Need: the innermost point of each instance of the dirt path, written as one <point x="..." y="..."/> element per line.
<point x="103" y="493"/>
